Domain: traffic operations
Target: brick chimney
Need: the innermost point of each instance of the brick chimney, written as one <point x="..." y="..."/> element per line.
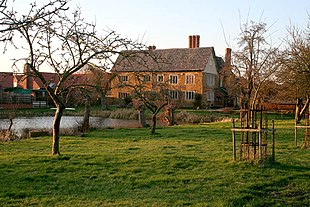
<point x="27" y="77"/>
<point x="193" y="41"/>
<point x="228" y="56"/>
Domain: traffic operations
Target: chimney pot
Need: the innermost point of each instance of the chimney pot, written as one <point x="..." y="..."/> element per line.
<point x="197" y="41"/>
<point x="190" y="41"/>
<point x="228" y="56"/>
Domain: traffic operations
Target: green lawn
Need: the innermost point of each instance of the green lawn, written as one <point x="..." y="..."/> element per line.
<point x="178" y="166"/>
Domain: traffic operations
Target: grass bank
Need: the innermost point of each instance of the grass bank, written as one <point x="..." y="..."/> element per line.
<point x="178" y="166"/>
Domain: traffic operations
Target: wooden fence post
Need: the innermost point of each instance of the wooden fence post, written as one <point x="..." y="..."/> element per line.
<point x="260" y="141"/>
<point x="273" y="143"/>
<point x="295" y="137"/>
<point x="234" y="139"/>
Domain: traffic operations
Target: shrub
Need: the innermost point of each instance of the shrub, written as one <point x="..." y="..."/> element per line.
<point x="186" y="117"/>
<point x="126" y="113"/>
<point x="105" y="113"/>
<point x="8" y="135"/>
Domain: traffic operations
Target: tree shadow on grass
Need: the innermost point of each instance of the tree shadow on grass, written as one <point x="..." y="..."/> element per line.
<point x="287" y="167"/>
<point x="290" y="189"/>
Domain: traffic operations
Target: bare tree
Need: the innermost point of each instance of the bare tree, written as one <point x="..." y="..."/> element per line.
<point x="142" y="85"/>
<point x="64" y="43"/>
<point x="254" y="63"/>
<point x="295" y="73"/>
<point x="147" y="95"/>
<point x="101" y="82"/>
<point x="11" y="20"/>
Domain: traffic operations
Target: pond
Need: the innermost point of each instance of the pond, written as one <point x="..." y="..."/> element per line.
<point x="46" y="122"/>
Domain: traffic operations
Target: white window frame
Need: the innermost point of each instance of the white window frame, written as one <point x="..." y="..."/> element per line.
<point x="189" y="95"/>
<point x="173" y="79"/>
<point x="189" y="79"/>
<point x="123" y="95"/>
<point x="174" y="95"/>
<point x="210" y="79"/>
<point x="160" y="78"/>
<point x="210" y="96"/>
<point x="123" y="78"/>
<point x="147" y="78"/>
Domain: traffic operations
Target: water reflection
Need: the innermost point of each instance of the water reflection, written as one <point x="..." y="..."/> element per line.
<point x="46" y="122"/>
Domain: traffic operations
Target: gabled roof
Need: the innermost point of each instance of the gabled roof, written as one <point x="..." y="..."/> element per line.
<point x="177" y="60"/>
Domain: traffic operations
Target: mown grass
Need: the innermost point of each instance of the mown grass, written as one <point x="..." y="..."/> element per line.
<point x="178" y="166"/>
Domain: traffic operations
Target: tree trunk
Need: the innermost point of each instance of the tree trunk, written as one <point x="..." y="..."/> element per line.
<point x="56" y="129"/>
<point x="11" y="124"/>
<point x="298" y="109"/>
<point x="141" y="116"/>
<point x="87" y="109"/>
<point x="170" y="116"/>
<point x="103" y="101"/>
<point x="307" y="134"/>
<point x="153" y="123"/>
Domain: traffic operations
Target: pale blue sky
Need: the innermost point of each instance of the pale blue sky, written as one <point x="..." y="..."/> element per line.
<point x="168" y="23"/>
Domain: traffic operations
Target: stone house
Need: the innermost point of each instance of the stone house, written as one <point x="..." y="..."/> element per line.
<point x="188" y="73"/>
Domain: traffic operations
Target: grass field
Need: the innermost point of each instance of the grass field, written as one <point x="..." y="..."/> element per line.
<point x="178" y="166"/>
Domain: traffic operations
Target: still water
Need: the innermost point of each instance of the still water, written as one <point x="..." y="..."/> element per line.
<point x="46" y="122"/>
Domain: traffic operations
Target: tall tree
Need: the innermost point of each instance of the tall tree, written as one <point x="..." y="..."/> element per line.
<point x="254" y="63"/>
<point x="295" y="73"/>
<point x="65" y="44"/>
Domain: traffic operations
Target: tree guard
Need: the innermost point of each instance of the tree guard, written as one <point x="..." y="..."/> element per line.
<point x="254" y="136"/>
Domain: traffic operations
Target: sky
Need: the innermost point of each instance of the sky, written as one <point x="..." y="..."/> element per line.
<point x="168" y="23"/>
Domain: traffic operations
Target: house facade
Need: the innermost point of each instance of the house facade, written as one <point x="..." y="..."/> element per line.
<point x="190" y="74"/>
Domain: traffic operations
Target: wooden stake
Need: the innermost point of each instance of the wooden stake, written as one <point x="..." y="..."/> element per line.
<point x="273" y="143"/>
<point x="234" y="140"/>
<point x="260" y="141"/>
<point x="295" y="137"/>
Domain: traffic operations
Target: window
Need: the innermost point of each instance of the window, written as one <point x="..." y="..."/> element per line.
<point x="210" y="96"/>
<point x="160" y="78"/>
<point x="123" y="78"/>
<point x="147" y="78"/>
<point x="173" y="79"/>
<point x="189" y="79"/>
<point x="174" y="95"/>
<point x="189" y="95"/>
<point x="122" y="95"/>
<point x="210" y="80"/>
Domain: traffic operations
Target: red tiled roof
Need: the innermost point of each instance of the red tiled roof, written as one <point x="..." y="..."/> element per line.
<point x="6" y="80"/>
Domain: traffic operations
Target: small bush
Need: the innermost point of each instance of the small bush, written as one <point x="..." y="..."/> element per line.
<point x="25" y="133"/>
<point x="8" y="135"/>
